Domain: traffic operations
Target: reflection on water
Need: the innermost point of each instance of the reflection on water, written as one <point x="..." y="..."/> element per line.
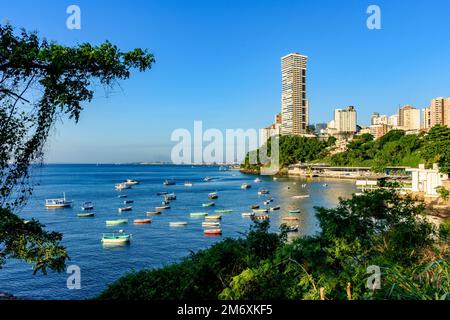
<point x="155" y="244"/>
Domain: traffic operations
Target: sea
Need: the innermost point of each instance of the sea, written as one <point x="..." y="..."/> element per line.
<point x="156" y="244"/>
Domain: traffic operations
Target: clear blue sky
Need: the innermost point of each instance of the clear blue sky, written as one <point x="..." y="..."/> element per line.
<point x="219" y="61"/>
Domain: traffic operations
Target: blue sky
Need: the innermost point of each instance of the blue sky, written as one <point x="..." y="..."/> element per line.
<point x="219" y="62"/>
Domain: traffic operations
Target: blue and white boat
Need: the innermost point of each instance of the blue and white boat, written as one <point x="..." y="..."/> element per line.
<point x="169" y="182"/>
<point x="87" y="206"/>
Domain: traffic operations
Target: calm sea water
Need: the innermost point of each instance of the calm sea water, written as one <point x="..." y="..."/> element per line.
<point x="156" y="244"/>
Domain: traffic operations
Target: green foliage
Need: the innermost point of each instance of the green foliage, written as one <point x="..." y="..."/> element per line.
<point x="377" y="228"/>
<point x="443" y="192"/>
<point x="40" y="83"/>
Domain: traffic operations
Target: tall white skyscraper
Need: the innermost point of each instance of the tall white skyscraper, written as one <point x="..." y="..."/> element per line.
<point x="345" y="120"/>
<point x="294" y="104"/>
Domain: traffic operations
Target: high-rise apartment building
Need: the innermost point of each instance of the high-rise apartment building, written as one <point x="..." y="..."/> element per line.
<point x="409" y="118"/>
<point x="294" y="103"/>
<point x="345" y="120"/>
<point x="440" y="111"/>
<point x="426" y="118"/>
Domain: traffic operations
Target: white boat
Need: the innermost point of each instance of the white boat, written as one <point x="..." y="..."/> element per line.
<point x="210" y="224"/>
<point x="116" y="238"/>
<point x="257" y="180"/>
<point x="122" y="186"/>
<point x="58" y="203"/>
<point x="87" y="206"/>
<point x="247" y="214"/>
<point x="301" y="196"/>
<point x="263" y="191"/>
<point x="246" y="186"/>
<point x="177" y="224"/>
<point x="207" y="179"/>
<point x="188" y="184"/>
<point x="275" y="178"/>
<point x="131" y="182"/>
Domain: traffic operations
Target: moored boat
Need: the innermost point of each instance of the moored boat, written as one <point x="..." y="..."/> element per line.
<point x="58" y="203"/>
<point x="165" y="203"/>
<point x="128" y="201"/>
<point x="289" y="218"/>
<point x="122" y="209"/>
<point x="85" y="215"/>
<point x="260" y="210"/>
<point x="260" y="217"/>
<point x="275" y="208"/>
<point x="162" y="208"/>
<point x="116" y="238"/>
<point x="212" y="232"/>
<point x="116" y="222"/>
<point x="87" y="206"/>
<point x="248" y="214"/>
<point x="295" y="211"/>
<point x="301" y="196"/>
<point x="209" y="204"/>
<point x="210" y="224"/>
<point x="246" y="186"/>
<point x="198" y="214"/>
<point x="213" y="217"/>
<point x="169" y="197"/>
<point x="213" y="195"/>
<point x="161" y="193"/>
<point x="188" y="184"/>
<point x="131" y="182"/>
<point x="152" y="213"/>
<point x="255" y="206"/>
<point x="177" y="224"/>
<point x="223" y="211"/>
<point x="169" y="182"/>
<point x="122" y="186"/>
<point x="257" y="180"/>
<point x="263" y="191"/>
<point x="142" y="221"/>
<point x="122" y="196"/>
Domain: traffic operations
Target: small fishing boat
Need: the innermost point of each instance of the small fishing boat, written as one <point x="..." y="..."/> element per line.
<point x="188" y="184"/>
<point x="257" y="180"/>
<point x="116" y="222"/>
<point x="169" y="197"/>
<point x="292" y="228"/>
<point x="129" y="208"/>
<point x="122" y="186"/>
<point x="85" y="215"/>
<point x="87" y="206"/>
<point x="207" y="179"/>
<point x="223" y="211"/>
<point x="260" y="210"/>
<point x="275" y="208"/>
<point x="165" y="203"/>
<point x="289" y="218"/>
<point x="128" y="201"/>
<point x="177" y="224"/>
<point x="255" y="206"/>
<point x="295" y="211"/>
<point x="142" y="221"/>
<point x="213" y="218"/>
<point x="169" y="182"/>
<point x="152" y="213"/>
<point x="116" y="238"/>
<point x="162" y="208"/>
<point x="246" y="186"/>
<point x="248" y="214"/>
<point x="213" y="195"/>
<point x="210" y="224"/>
<point x="161" y="193"/>
<point x="301" y="196"/>
<point x="209" y="204"/>
<point x="275" y="178"/>
<point x="58" y="203"/>
<point x="270" y="199"/>
<point x="122" y="196"/>
<point x="198" y="214"/>
<point x="212" y="232"/>
<point x="260" y="217"/>
<point x="131" y="182"/>
<point x="267" y="202"/>
<point x="263" y="191"/>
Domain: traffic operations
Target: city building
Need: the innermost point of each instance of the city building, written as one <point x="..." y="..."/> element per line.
<point x="439" y="111"/>
<point x="393" y="121"/>
<point x="345" y="120"/>
<point x="270" y="131"/>
<point x="378" y="130"/>
<point x="426" y="118"/>
<point x="376" y="118"/>
<point x="427" y="180"/>
<point x="409" y="118"/>
<point x="294" y="102"/>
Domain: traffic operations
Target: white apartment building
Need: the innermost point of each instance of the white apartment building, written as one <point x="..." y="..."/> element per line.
<point x="345" y="120"/>
<point x="409" y="118"/>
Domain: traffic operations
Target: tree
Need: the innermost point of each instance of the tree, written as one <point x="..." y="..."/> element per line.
<point x="41" y="82"/>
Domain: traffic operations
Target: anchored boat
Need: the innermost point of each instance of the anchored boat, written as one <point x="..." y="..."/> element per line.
<point x="247" y="214"/>
<point x="131" y="182"/>
<point x="223" y="211"/>
<point x="116" y="238"/>
<point x="263" y="191"/>
<point x="85" y="215"/>
<point x="198" y="214"/>
<point x="301" y="196"/>
<point x="188" y="184"/>
<point x="169" y="182"/>
<point x="295" y="211"/>
<point x="170" y="197"/>
<point x="128" y="201"/>
<point x="213" y="232"/>
<point x="177" y="224"/>
<point x="58" y="203"/>
<point x="213" y="195"/>
<point x="122" y="186"/>
<point x="116" y="222"/>
<point x="246" y="186"/>
<point x="210" y="224"/>
<point x="162" y="208"/>
<point x="129" y="208"/>
<point x="275" y="208"/>
<point x="260" y="217"/>
<point x="142" y="221"/>
<point x="152" y="213"/>
<point x="87" y="206"/>
<point x="213" y="218"/>
<point x="260" y="210"/>
<point x="209" y="204"/>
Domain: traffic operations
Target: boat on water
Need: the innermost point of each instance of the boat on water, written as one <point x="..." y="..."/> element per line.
<point x="295" y="211"/>
<point x="208" y="204"/>
<point x="128" y="208"/>
<point x="275" y="178"/>
<point x="223" y="211"/>
<point x="122" y="186"/>
<point x="246" y="186"/>
<point x="263" y="191"/>
<point x="161" y="193"/>
<point x="325" y="185"/>
<point x="128" y="201"/>
<point x="292" y="228"/>
<point x="213" y="195"/>
<point x="86" y="215"/>
<point x="210" y="224"/>
<point x="170" y="196"/>
<point x="131" y="182"/>
<point x="116" y="238"/>
<point x="188" y="184"/>
<point x="275" y="208"/>
<point x="301" y="196"/>
<point x="87" y="206"/>
<point x="122" y="196"/>
<point x="58" y="203"/>
<point x="177" y="224"/>
<point x="289" y="218"/>
<point x="142" y="221"/>
<point x="255" y="206"/>
<point x="267" y="202"/>
<point x="165" y="203"/>
<point x="207" y="179"/>
<point x="260" y="217"/>
<point x="260" y="210"/>
<point x="213" y="218"/>
<point x="248" y="214"/>
<point x="152" y="213"/>
<point x="116" y="222"/>
<point x="169" y="182"/>
<point x="198" y="214"/>
<point x="213" y="232"/>
<point x="162" y="208"/>
<point x="257" y="180"/>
